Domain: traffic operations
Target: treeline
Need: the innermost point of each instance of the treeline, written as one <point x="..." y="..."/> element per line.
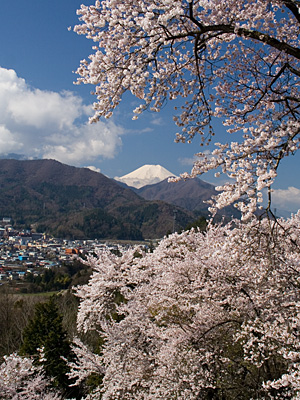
<point x="57" y="278"/>
<point x="18" y="301"/>
<point x="16" y="311"/>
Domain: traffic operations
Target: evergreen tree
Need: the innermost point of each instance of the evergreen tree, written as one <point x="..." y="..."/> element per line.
<point x="46" y="340"/>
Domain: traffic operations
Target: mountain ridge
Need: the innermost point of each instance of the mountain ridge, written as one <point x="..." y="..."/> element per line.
<point x="190" y="194"/>
<point x="79" y="203"/>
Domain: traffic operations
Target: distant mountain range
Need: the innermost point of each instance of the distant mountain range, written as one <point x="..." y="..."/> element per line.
<point x="151" y="183"/>
<point x="190" y="194"/>
<point x="79" y="203"/>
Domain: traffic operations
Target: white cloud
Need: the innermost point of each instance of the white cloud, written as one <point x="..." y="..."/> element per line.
<point x="40" y="108"/>
<point x="191" y="160"/>
<point x="187" y="160"/>
<point x="157" y="121"/>
<point x="44" y="124"/>
<point x="92" y="168"/>
<point x="7" y="140"/>
<point x="286" y="199"/>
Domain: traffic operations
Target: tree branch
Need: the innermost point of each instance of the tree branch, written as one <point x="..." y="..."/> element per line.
<point x="292" y="6"/>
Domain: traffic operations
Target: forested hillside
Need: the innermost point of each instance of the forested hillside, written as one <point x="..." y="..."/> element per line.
<point x="72" y="202"/>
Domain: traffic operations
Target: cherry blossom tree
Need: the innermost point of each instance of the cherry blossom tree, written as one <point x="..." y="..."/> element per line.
<point x="214" y="314"/>
<point x="21" y="379"/>
<point x="207" y="315"/>
<point x="233" y="60"/>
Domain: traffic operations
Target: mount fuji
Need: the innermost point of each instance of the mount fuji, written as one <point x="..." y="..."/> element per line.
<point x="145" y="175"/>
<point x="151" y="183"/>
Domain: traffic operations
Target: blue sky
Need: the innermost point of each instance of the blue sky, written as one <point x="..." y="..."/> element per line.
<point x="44" y="115"/>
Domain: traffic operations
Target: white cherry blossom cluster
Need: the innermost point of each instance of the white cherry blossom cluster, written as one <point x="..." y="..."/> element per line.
<point x="206" y="314"/>
<point x="21" y="379"/>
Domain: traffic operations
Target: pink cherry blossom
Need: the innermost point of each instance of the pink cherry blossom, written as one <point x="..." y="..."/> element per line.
<point x="205" y="314"/>
<point x="20" y="379"/>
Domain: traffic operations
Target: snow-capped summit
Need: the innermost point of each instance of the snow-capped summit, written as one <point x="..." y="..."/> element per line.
<point x="145" y="175"/>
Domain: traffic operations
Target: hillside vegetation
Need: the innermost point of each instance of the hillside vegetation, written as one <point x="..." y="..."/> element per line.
<point x="78" y="203"/>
